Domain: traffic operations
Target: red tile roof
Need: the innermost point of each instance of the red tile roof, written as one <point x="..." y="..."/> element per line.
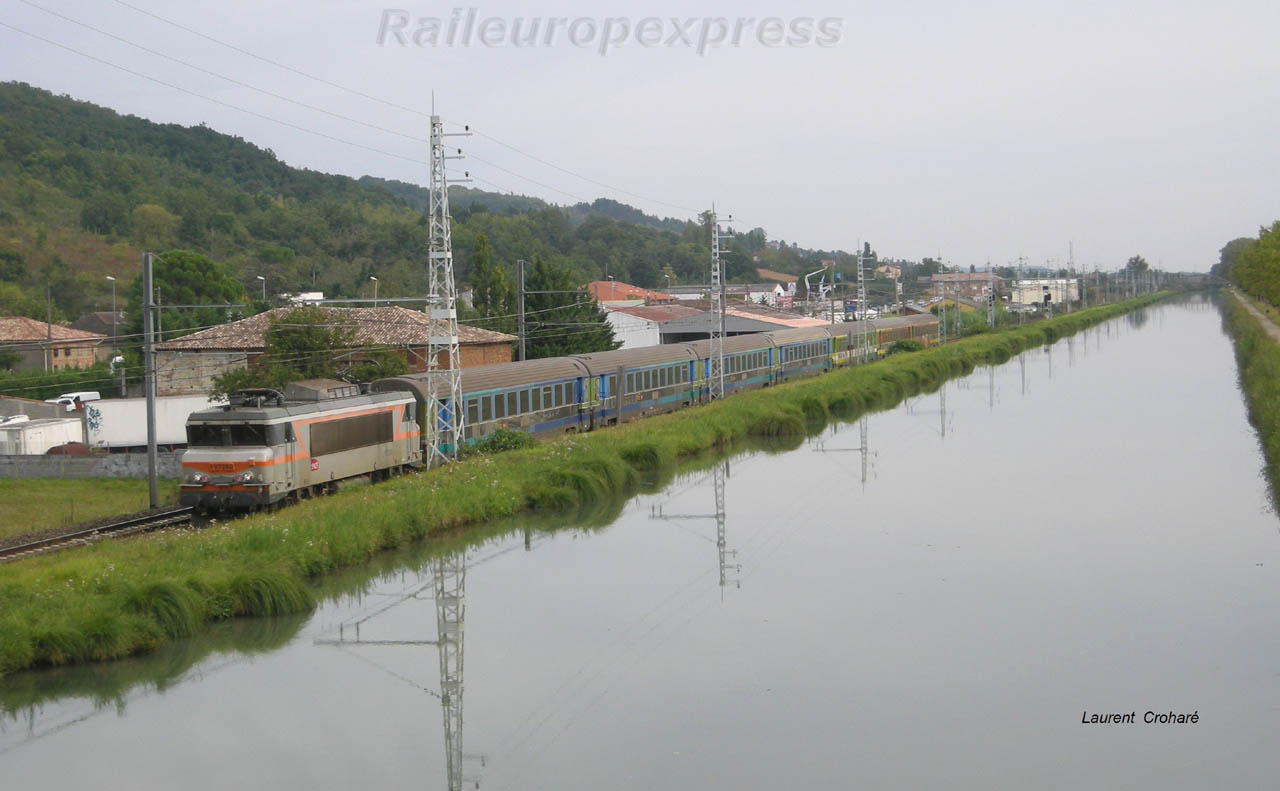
<point x="613" y="291"/>
<point x="21" y="328"/>
<point x="393" y="326"/>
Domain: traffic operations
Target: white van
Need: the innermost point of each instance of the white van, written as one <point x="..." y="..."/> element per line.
<point x="69" y="400"/>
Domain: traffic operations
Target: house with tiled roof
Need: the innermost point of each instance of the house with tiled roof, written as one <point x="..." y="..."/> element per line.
<point x="49" y="347"/>
<point x="189" y="364"/>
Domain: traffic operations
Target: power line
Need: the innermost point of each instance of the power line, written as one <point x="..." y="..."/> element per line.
<point x="397" y="106"/>
<point x="277" y="64"/>
<point x="211" y="99"/>
<point x="232" y="80"/>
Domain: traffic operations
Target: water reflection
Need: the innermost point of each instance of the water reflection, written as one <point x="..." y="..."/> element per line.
<point x="447" y="580"/>
<point x="719" y="477"/>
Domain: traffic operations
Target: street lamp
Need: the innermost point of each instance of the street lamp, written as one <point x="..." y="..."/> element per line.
<point x="264" y="287"/>
<point x="113" y="312"/>
<point x="375" y="290"/>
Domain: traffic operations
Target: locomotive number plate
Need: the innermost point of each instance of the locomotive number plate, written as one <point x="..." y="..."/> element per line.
<point x="222" y="467"/>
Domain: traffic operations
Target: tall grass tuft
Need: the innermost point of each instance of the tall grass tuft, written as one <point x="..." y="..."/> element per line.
<point x="268" y="593"/>
<point x="177" y="609"/>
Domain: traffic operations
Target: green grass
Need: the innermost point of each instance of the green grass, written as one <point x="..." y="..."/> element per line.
<point x="32" y="505"/>
<point x="119" y="598"/>
<point x="1258" y="361"/>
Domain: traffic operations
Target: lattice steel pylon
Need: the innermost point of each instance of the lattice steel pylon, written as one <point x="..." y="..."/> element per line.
<point x="715" y="376"/>
<point x="444" y="422"/>
<point x="451" y="573"/>
<point x="865" y="350"/>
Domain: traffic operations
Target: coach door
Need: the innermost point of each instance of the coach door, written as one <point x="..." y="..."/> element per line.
<point x="290" y="460"/>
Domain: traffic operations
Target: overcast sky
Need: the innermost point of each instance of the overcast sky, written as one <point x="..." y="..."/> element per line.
<point x="978" y="130"/>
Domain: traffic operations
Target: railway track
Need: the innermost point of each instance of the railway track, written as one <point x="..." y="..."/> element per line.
<point x="124" y="527"/>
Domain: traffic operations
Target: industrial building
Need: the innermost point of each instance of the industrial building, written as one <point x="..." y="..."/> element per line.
<point x="1032" y="292"/>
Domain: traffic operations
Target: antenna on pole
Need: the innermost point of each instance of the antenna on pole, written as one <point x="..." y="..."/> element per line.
<point x="444" y="418"/>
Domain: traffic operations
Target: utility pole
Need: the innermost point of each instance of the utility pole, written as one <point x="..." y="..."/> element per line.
<point x="149" y="373"/>
<point x="715" y="381"/>
<point x="445" y="418"/>
<point x="991" y="297"/>
<point x="48" y="329"/>
<point x="520" y="325"/>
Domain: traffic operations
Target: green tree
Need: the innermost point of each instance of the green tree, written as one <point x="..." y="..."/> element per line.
<point x="1257" y="267"/>
<point x="152" y="225"/>
<point x="563" y="324"/>
<point x="1228" y="255"/>
<point x="1136" y="265"/>
<point x="186" y="278"/>
<point x="13" y="266"/>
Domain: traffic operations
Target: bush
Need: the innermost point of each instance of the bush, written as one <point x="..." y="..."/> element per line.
<point x="905" y="346"/>
<point x="503" y="439"/>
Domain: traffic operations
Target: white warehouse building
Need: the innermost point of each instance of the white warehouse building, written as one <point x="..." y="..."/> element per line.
<point x="1059" y="289"/>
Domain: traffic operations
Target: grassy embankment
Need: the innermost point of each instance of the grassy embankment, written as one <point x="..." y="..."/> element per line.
<point x="1258" y="360"/>
<point x="121" y="598"/>
<point x="32" y="505"/>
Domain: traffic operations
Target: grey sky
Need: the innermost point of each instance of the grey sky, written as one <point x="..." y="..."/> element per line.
<point x="983" y="130"/>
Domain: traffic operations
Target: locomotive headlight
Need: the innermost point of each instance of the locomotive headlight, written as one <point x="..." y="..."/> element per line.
<point x="197" y="477"/>
<point x="249" y="476"/>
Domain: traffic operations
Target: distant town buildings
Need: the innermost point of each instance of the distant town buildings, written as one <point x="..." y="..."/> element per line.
<point x="964" y="284"/>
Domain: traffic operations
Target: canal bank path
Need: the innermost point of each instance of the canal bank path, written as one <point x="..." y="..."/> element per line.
<point x="1268" y="325"/>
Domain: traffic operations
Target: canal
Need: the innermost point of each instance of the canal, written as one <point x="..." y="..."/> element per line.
<point x="934" y="596"/>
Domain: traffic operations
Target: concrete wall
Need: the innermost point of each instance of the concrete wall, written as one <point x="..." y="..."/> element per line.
<point x="106" y="465"/>
<point x="192" y="373"/>
<point x="33" y="409"/>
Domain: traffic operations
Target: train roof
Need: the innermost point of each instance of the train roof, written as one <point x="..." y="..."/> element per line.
<point x="245" y="414"/>
<point x="608" y="362"/>
<point x="735" y="343"/>
<point x="489" y="377"/>
<point x="800" y="335"/>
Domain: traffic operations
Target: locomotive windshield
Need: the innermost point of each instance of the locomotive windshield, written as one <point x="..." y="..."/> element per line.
<point x="222" y="435"/>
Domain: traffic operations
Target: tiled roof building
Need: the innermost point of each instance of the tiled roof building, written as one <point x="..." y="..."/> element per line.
<point x="189" y="364"/>
<point x="48" y="346"/>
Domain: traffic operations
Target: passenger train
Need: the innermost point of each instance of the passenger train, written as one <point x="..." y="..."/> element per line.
<point x="266" y="447"/>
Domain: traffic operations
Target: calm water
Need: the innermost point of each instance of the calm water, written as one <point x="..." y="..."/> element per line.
<point x="1082" y="528"/>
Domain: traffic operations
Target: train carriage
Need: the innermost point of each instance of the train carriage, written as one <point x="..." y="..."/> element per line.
<point x="803" y="351"/>
<point x="533" y="395"/>
<point x="653" y="379"/>
<point x="750" y="362"/>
